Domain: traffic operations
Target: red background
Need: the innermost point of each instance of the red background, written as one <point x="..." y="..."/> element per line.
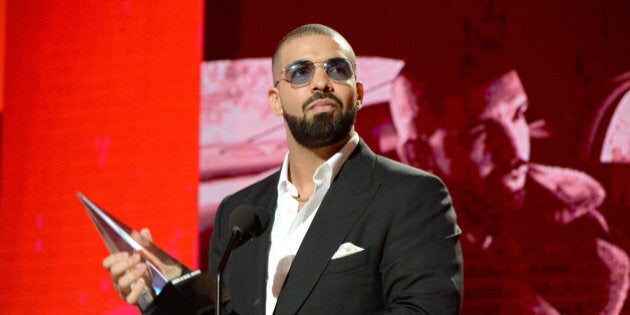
<point x="103" y="97"/>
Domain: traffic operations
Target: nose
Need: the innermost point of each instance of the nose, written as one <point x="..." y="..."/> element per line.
<point x="320" y="80"/>
<point x="520" y="141"/>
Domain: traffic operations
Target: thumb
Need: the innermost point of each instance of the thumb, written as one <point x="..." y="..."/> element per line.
<point x="146" y="234"/>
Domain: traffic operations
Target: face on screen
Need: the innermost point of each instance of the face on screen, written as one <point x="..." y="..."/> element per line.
<point x="491" y="148"/>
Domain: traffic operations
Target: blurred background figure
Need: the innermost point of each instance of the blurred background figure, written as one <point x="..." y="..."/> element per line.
<point x="606" y="147"/>
<point x="535" y="241"/>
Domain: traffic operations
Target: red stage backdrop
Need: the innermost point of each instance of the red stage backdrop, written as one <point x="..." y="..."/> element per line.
<point x="101" y="97"/>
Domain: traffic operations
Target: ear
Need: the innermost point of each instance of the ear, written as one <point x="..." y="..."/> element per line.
<point x="359" y="94"/>
<point x="274" y="101"/>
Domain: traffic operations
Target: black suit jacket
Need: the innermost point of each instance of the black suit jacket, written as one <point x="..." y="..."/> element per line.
<point x="401" y="216"/>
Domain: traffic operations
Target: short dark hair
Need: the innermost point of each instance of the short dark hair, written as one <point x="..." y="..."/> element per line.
<point x="473" y="80"/>
<point x="306" y="30"/>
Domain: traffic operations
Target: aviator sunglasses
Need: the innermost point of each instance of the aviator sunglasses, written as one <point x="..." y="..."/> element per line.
<point x="301" y="72"/>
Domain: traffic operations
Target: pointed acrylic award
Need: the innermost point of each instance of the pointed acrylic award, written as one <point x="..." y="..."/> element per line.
<point x="171" y="286"/>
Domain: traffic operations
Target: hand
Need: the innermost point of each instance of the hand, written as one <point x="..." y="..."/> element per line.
<point x="127" y="272"/>
<point x="163" y="265"/>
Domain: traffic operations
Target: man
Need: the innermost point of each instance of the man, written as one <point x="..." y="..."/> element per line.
<point x="352" y="232"/>
<point x="478" y="140"/>
<point x="545" y="254"/>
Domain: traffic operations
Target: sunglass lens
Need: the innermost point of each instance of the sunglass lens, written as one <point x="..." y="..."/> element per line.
<point x="338" y="69"/>
<point x="300" y="72"/>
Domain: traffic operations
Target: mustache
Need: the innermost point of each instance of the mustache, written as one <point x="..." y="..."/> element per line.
<point x="321" y="96"/>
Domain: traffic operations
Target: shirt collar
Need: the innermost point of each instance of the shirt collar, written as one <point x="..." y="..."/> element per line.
<point x="334" y="164"/>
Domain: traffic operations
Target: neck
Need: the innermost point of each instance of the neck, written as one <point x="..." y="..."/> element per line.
<point x="303" y="162"/>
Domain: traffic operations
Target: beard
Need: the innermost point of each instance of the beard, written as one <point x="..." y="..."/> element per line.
<point x="323" y="130"/>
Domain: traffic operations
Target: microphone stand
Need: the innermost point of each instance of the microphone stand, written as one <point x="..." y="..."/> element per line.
<point x="236" y="235"/>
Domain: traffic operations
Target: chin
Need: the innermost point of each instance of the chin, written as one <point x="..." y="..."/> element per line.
<point x="512" y="189"/>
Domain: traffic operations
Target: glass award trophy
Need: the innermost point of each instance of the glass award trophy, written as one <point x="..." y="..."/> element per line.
<point x="172" y="288"/>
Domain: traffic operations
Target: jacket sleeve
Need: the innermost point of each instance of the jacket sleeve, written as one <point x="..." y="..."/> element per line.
<point x="422" y="267"/>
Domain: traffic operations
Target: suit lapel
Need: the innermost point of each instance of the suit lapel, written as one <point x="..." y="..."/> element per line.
<point x="257" y="250"/>
<point x="348" y="195"/>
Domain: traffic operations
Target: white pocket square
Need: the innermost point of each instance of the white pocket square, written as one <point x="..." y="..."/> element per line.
<point x="346" y="249"/>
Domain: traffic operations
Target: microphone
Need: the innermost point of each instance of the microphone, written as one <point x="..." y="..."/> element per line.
<point x="246" y="223"/>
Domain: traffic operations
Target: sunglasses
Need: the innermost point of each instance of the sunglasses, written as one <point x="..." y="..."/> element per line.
<point x="301" y="72"/>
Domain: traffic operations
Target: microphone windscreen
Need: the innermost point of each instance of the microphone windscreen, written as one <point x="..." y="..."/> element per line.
<point x="263" y="218"/>
<point x="248" y="222"/>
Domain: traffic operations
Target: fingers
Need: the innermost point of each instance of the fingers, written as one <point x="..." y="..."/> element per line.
<point x="113" y="259"/>
<point x="130" y="275"/>
<point x="143" y="237"/>
<point x="146" y="234"/>
<point x="136" y="290"/>
<point x="121" y="264"/>
<point x="126" y="272"/>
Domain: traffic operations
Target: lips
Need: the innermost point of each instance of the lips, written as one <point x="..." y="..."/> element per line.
<point x="514" y="179"/>
<point x="320" y="98"/>
<point x="322" y="105"/>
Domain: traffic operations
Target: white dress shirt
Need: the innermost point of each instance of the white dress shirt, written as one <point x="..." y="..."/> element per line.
<point x="290" y="225"/>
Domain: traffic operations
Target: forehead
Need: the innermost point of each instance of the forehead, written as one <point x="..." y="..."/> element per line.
<point x="312" y="47"/>
<point x="498" y="98"/>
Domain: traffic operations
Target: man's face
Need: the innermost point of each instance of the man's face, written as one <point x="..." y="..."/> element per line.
<point x="323" y="111"/>
<point x="492" y="149"/>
